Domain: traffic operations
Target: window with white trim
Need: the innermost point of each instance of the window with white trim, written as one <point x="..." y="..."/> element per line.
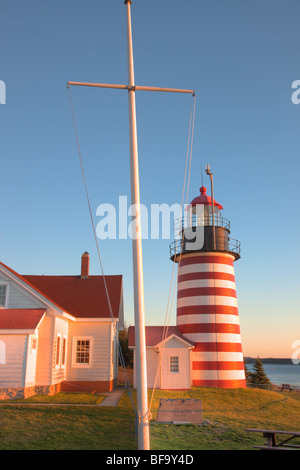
<point x="64" y="348"/>
<point x="57" y="355"/>
<point x="33" y="342"/>
<point x="82" y="352"/>
<point x="3" y="291"/>
<point x="174" y="364"/>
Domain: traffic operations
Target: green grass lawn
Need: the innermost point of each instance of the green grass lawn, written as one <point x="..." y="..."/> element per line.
<point x="230" y="412"/>
<point x="62" y="398"/>
<point x="91" y="427"/>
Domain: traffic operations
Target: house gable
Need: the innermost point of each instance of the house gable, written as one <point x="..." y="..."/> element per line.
<point x="174" y="341"/>
<point x="20" y="294"/>
<point x="17" y="296"/>
<point x="157" y="335"/>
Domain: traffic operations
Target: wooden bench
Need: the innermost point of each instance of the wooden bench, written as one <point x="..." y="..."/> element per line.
<point x="286" y="387"/>
<point x="272" y="443"/>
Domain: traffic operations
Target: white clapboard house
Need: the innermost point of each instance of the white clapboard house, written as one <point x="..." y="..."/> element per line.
<point x="57" y="333"/>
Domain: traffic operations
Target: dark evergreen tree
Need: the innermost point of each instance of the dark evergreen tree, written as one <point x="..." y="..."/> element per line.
<point x="126" y="352"/>
<point x="258" y="375"/>
<point x="248" y="374"/>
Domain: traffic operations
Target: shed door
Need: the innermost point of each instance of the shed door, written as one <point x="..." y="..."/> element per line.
<point x="175" y="368"/>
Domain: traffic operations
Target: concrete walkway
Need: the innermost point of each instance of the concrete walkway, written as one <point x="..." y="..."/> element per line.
<point x="113" y="398"/>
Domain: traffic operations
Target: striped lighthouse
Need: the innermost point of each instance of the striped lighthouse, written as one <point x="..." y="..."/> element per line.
<point x="207" y="309"/>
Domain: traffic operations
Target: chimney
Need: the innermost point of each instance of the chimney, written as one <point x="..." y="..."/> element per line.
<point x="85" y="264"/>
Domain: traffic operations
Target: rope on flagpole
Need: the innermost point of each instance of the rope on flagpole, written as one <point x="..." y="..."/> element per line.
<point x="187" y="175"/>
<point x="126" y="380"/>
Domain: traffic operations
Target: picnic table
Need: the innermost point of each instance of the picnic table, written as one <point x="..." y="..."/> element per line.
<point x="286" y="387"/>
<point x="272" y="443"/>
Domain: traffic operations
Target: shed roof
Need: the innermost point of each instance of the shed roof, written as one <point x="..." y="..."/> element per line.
<point x="155" y="335"/>
<point x="20" y="319"/>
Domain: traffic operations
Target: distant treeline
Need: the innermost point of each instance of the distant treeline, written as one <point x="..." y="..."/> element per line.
<point x="269" y="360"/>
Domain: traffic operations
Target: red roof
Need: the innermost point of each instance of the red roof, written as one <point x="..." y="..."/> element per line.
<point x="154" y="335"/>
<point x="82" y="298"/>
<point x="204" y="199"/>
<point x="20" y="319"/>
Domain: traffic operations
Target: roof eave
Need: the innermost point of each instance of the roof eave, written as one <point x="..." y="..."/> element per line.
<point x="163" y="342"/>
<point x="18" y="331"/>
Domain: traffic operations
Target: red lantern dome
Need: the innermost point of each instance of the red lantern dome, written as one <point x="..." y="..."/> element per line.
<point x="204" y="199"/>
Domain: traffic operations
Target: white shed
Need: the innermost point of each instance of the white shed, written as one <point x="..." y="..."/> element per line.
<point x="168" y="358"/>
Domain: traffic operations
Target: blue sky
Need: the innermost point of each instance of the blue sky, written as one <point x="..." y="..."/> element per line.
<point x="240" y="57"/>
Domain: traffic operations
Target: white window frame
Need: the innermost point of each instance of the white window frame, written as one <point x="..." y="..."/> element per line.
<point x="74" y="352"/>
<point x="57" y="353"/>
<point x="34" y="340"/>
<point x="176" y="364"/>
<point x="64" y="353"/>
<point x="6" y="293"/>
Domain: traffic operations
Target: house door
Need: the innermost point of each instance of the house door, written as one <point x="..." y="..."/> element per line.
<point x="175" y="369"/>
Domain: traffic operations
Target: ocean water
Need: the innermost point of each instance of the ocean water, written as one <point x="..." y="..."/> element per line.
<point x="281" y="373"/>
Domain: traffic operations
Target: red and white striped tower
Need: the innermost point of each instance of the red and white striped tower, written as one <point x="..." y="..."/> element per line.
<point x="207" y="310"/>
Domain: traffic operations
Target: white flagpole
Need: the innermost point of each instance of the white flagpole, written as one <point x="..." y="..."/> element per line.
<point x="139" y="311"/>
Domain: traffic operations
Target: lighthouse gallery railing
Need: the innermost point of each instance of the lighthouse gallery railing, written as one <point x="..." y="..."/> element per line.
<point x="193" y="220"/>
<point x="232" y="245"/>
